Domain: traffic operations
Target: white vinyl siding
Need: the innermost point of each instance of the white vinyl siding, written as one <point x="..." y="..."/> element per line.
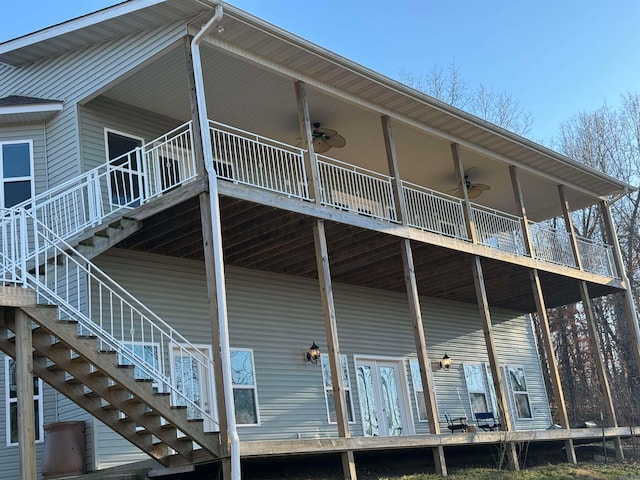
<point x="276" y="315"/>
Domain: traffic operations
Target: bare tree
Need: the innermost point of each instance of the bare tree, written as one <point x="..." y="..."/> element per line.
<point x="448" y="85"/>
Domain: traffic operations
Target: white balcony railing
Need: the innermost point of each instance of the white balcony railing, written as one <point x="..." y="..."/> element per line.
<point x="498" y="229"/>
<point x="596" y="257"/>
<point x="552" y="245"/>
<point x="251" y="159"/>
<point x="356" y="189"/>
<point x="434" y="211"/>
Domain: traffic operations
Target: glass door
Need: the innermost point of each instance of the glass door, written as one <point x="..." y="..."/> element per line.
<point x="191" y="379"/>
<point x="380" y="386"/>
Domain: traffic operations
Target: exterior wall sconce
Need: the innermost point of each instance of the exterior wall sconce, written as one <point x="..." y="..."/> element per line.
<point x="313" y="355"/>
<point x="445" y="362"/>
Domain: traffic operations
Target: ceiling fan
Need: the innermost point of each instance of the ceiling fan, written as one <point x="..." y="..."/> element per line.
<point x="473" y="189"/>
<point x="325" y="139"/>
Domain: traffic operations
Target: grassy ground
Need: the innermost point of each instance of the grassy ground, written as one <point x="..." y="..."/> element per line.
<point x="584" y="471"/>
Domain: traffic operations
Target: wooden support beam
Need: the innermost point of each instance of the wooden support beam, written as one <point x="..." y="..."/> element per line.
<point x="24" y="385"/>
<point x="627" y="294"/>
<point x="394" y="171"/>
<point x="333" y="347"/>
<point x="496" y="372"/>
<point x="458" y="167"/>
<point x="517" y="194"/>
<point x="310" y="160"/>
<point x="552" y="364"/>
<point x="569" y="226"/>
<point x="601" y="369"/>
<point x="421" y="350"/>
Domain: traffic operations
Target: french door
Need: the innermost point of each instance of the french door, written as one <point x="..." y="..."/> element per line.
<point x="382" y="399"/>
<point x="193" y="381"/>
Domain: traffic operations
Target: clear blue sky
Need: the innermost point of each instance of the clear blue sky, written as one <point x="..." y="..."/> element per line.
<point x="557" y="57"/>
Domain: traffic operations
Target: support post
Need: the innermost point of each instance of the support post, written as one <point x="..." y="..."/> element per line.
<point x="394" y="171"/>
<point x="310" y="160"/>
<point x="569" y="226"/>
<point x="333" y="348"/>
<point x="24" y="385"/>
<point x="206" y="221"/>
<point x="601" y="369"/>
<point x="517" y="193"/>
<point x="627" y="294"/>
<point x="547" y="343"/>
<point x="421" y="350"/>
<point x="462" y="184"/>
<point x="483" y="306"/>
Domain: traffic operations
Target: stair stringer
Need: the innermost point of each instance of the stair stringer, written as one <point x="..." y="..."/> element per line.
<point x="126" y="395"/>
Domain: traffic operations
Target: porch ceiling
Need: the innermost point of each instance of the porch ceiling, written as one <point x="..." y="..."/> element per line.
<point x="264" y="238"/>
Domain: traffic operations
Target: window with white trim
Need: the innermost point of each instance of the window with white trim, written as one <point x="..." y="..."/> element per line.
<point x="145" y="353"/>
<point x="418" y="390"/>
<point x="16" y="172"/>
<point x="11" y="390"/>
<point x="477" y="388"/>
<point x="518" y="385"/>
<point x="328" y="387"/>
<point x="245" y="394"/>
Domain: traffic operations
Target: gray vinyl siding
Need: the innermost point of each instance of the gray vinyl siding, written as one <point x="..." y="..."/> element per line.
<point x="106" y="113"/>
<point x="9" y="454"/>
<point x="72" y="77"/>
<point x="36" y="133"/>
<point x="278" y="317"/>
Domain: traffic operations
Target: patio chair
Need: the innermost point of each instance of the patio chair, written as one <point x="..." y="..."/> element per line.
<point x="487" y="421"/>
<point x="456" y="423"/>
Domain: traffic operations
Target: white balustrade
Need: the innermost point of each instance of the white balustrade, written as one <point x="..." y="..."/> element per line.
<point x="498" y="229"/>
<point x="244" y="157"/>
<point x="552" y="245"/>
<point x="434" y="211"/>
<point x="356" y="189"/>
<point x="596" y="257"/>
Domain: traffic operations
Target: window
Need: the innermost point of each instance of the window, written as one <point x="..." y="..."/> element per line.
<point x="418" y="390"/>
<point x="148" y="352"/>
<point x="17" y="172"/>
<point x="518" y="385"/>
<point x="245" y="396"/>
<point x="477" y="389"/>
<point x="12" y="403"/>
<point x="328" y="387"/>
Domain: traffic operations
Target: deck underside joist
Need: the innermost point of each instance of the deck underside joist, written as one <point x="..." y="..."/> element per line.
<point x="267" y="238"/>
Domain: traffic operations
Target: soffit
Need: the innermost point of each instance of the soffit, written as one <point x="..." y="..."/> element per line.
<point x="20" y="109"/>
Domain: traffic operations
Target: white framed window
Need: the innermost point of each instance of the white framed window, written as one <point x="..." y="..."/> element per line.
<point x="418" y="390"/>
<point x="328" y="388"/>
<point x="480" y="394"/>
<point x="245" y="392"/>
<point x="16" y="172"/>
<point x="147" y="352"/>
<point x="519" y="392"/>
<point x="11" y="404"/>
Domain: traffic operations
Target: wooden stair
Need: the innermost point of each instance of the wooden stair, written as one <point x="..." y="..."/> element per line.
<point x="94" y="241"/>
<point x="94" y="379"/>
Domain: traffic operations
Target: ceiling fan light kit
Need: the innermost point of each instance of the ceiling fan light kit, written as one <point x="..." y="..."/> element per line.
<point x="474" y="190"/>
<point x="325" y="139"/>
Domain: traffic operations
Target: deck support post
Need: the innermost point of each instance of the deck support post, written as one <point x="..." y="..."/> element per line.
<point x="24" y="385"/>
<point x="462" y="184"/>
<point x="601" y="368"/>
<point x="569" y="226"/>
<point x="333" y="348"/>
<point x="552" y="364"/>
<point x="511" y="455"/>
<point x="627" y="294"/>
<point x="206" y="220"/>
<point x="517" y="193"/>
<point x="310" y="160"/>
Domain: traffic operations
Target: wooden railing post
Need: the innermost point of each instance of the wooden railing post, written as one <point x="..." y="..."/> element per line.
<point x="468" y="213"/>
<point x="569" y="226"/>
<point x="310" y="159"/>
<point x="517" y="193"/>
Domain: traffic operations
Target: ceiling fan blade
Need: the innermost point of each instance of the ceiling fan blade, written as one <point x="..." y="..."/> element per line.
<point x="335" y="141"/>
<point x="474" y="192"/>
<point x="320" y="145"/>
<point x="481" y="186"/>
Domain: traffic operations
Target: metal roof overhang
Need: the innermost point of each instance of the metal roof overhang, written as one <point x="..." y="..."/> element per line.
<point x="250" y="35"/>
<point x="29" y="113"/>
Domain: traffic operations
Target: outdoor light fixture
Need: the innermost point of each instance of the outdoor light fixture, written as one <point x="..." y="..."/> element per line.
<point x="445" y="362"/>
<point x="313" y="355"/>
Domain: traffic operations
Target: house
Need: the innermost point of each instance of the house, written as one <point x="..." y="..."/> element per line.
<point x="193" y="197"/>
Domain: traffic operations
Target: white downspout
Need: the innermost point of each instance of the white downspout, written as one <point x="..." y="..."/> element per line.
<point x="221" y="295"/>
